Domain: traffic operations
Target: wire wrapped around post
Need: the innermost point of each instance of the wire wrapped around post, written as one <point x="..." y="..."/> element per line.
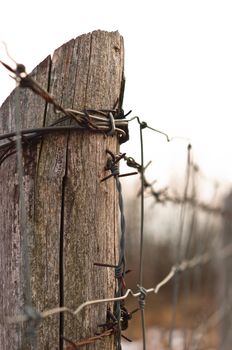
<point x="113" y="166"/>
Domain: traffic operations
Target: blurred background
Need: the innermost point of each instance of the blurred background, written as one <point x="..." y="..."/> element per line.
<point x="193" y="312"/>
<point x="178" y="71"/>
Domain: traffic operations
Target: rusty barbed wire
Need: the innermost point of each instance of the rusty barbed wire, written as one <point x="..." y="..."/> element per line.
<point x="33" y="135"/>
<point x="107" y="121"/>
<point x="101" y="122"/>
<point x="77" y="345"/>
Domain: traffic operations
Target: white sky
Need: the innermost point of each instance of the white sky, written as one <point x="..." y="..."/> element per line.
<point x="178" y="67"/>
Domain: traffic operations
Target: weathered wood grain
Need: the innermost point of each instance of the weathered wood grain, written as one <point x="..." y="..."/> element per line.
<point x="90" y="219"/>
<point x="31" y="109"/>
<point x="71" y="216"/>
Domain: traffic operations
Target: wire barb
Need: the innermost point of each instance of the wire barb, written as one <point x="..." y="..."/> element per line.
<point x="77" y="345"/>
<point x="105" y="121"/>
<point x="113" y="166"/>
<point x="183" y="266"/>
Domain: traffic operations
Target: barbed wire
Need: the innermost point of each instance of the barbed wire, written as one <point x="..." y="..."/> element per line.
<point x="99" y="121"/>
<point x="88" y="341"/>
<point x="162" y="196"/>
<point x="177" y="268"/>
<point x="108" y="122"/>
<point x="120" y="268"/>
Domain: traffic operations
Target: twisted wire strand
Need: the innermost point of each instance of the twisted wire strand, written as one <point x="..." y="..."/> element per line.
<point x="183" y="266"/>
<point x="113" y="165"/>
<point x="102" y="124"/>
<point x="122" y="222"/>
<point x="121" y="262"/>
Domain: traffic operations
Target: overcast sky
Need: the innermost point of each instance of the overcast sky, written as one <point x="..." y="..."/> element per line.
<point x="178" y="67"/>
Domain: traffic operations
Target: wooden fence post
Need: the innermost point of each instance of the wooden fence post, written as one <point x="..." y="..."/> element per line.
<point x="71" y="217"/>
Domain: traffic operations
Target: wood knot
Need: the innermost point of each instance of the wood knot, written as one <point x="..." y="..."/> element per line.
<point x="116" y="48"/>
